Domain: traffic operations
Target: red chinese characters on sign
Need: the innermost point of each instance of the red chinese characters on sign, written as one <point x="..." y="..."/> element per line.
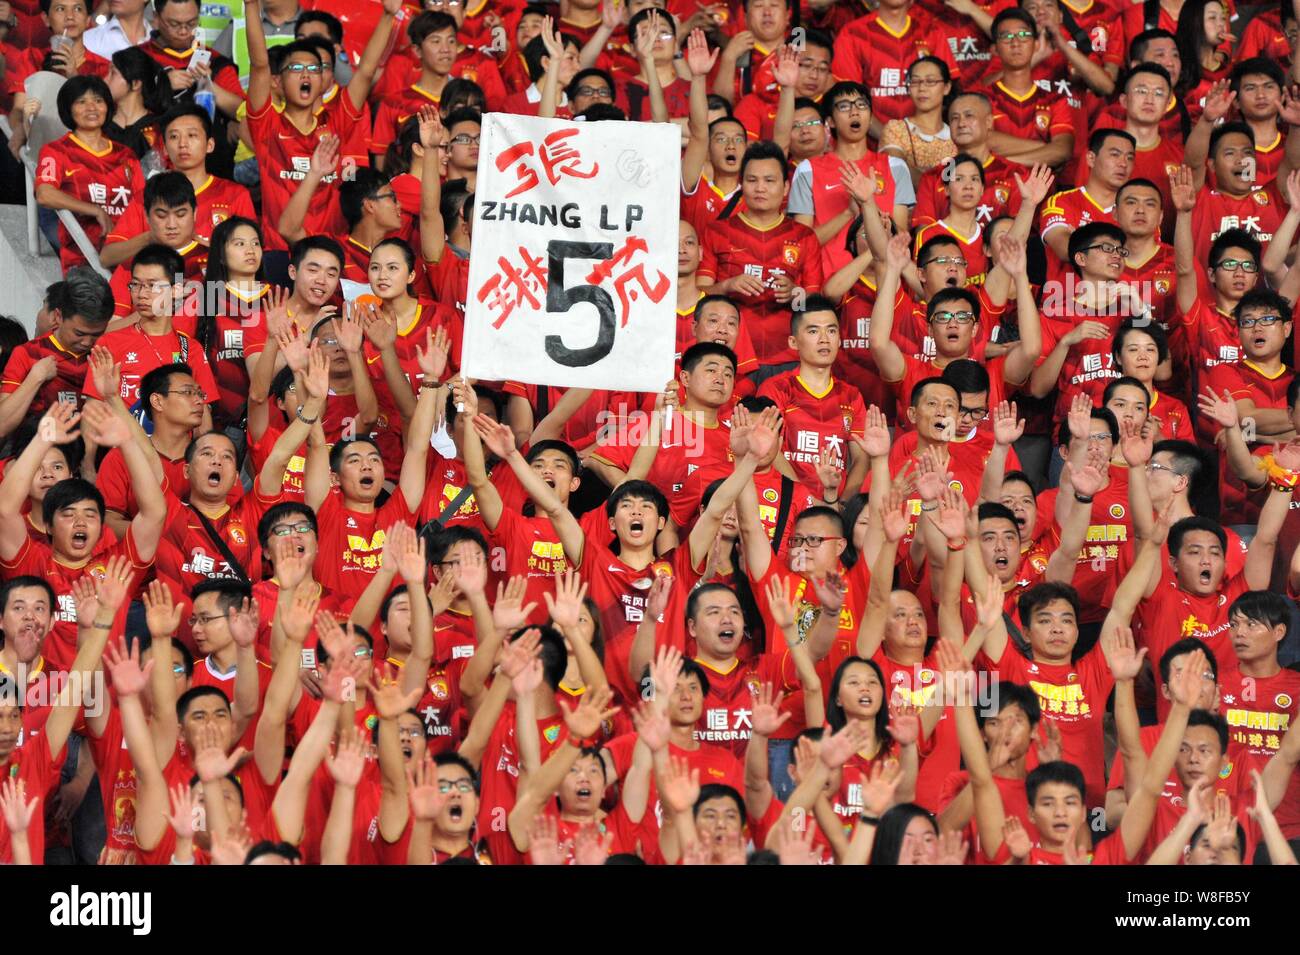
<point x="513" y="286"/>
<point x="625" y="281"/>
<point x="558" y="158"/>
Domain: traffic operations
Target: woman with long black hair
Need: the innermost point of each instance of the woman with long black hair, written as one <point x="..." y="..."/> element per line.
<point x="136" y="82"/>
<point x="1205" y="47"/>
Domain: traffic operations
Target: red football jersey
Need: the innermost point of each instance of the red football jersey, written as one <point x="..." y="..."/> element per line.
<point x="870" y="53"/>
<point x="735" y="246"/>
<point x="217" y="200"/>
<point x="815" y="422"/>
<point x="351" y="542"/>
<point x="70" y="373"/>
<point x="1001" y="195"/>
<point x="1110" y="527"/>
<point x="1259" y="212"/>
<point x="705" y="202"/>
<point x="108" y="178"/>
<point x="1041" y="113"/>
<point x="1259" y="711"/>
<point x="140" y="354"/>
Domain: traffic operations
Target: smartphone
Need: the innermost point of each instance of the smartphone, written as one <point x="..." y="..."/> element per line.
<point x="201" y="57"/>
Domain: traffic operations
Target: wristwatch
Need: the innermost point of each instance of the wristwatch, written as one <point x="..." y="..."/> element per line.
<point x="306" y="420"/>
<point x="1081" y="498"/>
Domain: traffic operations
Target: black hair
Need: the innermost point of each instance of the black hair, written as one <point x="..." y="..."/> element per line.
<point x="843" y="88"/>
<point x="341" y="448"/>
<point x="487" y="398"/>
<point x="1148" y="328"/>
<point x="1066" y="774"/>
<point x="365" y="183"/>
<point x="836" y="718"/>
<point x="740" y="585"/>
<point x="169" y="189"/>
<point x="231" y="593"/>
<point x="952" y="294"/>
<point x="83" y="293"/>
<point x="851" y="510"/>
<point x="1042" y="594"/>
<point x="277" y="513"/>
<point x="169" y="260"/>
<point x="1262" y="298"/>
<point x="816" y="302"/>
<point x="1214" y="721"/>
<point x="440" y="541"/>
<point x="1090" y="234"/>
<point x="762" y="150"/>
<point x="428" y="22"/>
<point x="186" y="699"/>
<point x="555" y="444"/>
<point x="157" y="382"/>
<point x="582" y="76"/>
<point x="1269" y="608"/>
<point x="602" y="113"/>
<point x="1190" y="37"/>
<point x="322" y="243"/>
<point x="926" y="252"/>
<point x="1104" y="415"/>
<point x="638" y="489"/>
<point x="1186" y="645"/>
<point x="1228" y="129"/>
<point x="23" y="581"/>
<point x="555" y="659"/>
<point x="969" y="377"/>
<point x="535" y="51"/>
<point x="1020" y="696"/>
<point x="68" y="492"/>
<point x="1098" y="138"/>
<point x="461" y="93"/>
<point x="1234" y="239"/>
<point x="1011" y="13"/>
<point x="137" y="66"/>
<point x="1137" y="182"/>
<point x="892" y="829"/>
<point x="322" y="652"/>
<point x="464" y="115"/>
<point x="692" y="668"/>
<point x="994" y="510"/>
<point x="696" y="353"/>
<point x="1146" y="66"/>
<point x="1124" y="381"/>
<point x="74" y="89"/>
<point x="711" y="791"/>
<point x="331" y="23"/>
<point x="1187" y="525"/>
<point x="268" y="848"/>
<point x="634" y="24"/>
<point x="918" y="389"/>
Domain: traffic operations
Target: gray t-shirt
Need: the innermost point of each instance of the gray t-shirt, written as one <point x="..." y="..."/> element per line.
<point x="801" y="191"/>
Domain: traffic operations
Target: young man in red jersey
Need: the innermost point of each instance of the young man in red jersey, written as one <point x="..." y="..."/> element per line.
<point x="697" y="438"/>
<point x="170" y="207"/>
<point x="285" y="141"/>
<point x="953" y="315"/>
<point x="1206" y="307"/>
<point x="711" y="160"/>
<point x="52" y="367"/>
<point x="433" y="38"/>
<point x="1259" y="386"/>
<point x="761" y="256"/>
<point x="1261" y="698"/>
<point x="151" y="339"/>
<point x="876" y="50"/>
<point x="749" y="58"/>
<point x="1110" y="165"/>
<point x="35" y="759"/>
<point x="1149" y="266"/>
<point x="813" y="78"/>
<point x="1030" y="124"/>
<point x="1234" y="198"/>
<point x="74" y="512"/>
<point x="821" y="413"/>
<point x="342" y="488"/>
<point x="818" y="196"/>
<point x="1146" y="95"/>
<point x="188" y="138"/>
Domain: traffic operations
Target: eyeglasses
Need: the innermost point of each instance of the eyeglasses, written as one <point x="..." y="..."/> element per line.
<point x="811" y="541"/>
<point x="181" y="26"/>
<point x="728" y="140"/>
<point x="1109" y="249"/>
<point x="1235" y="265"/>
<point x="284" y="530"/>
<point x="944" y="318"/>
<point x="444" y="3"/>
<point x="178" y="669"/>
<point x="928" y="83"/>
<point x="302" y="68"/>
<point x="190" y="393"/>
<point x="1153" y="466"/>
<point x="844" y="105"/>
<point x="465" y="139"/>
<point x="406" y="732"/>
<point x="459" y="785"/>
<point x="808" y="122"/>
<point x="594" y="92"/>
<point x="1268" y="321"/>
<point x="808" y="66"/>
<point x="381" y="196"/>
<point x="135" y="288"/>
<point x="363" y="653"/>
<point x="1101" y="436"/>
<point x="946" y="260"/>
<point x="975" y="414"/>
<point x="205" y="619"/>
<point x="1016" y="35"/>
<point x="1159" y="92"/>
<point x="328" y="341"/>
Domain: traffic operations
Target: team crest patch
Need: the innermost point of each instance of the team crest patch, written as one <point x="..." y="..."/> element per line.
<point x="438" y="689"/>
<point x="956" y="485"/>
<point x="770" y="495"/>
<point x="237" y="534"/>
<point x="1226" y="771"/>
<point x="1002" y="193"/>
<point x="1117" y="511"/>
<point x="1162" y="286"/>
<point x="790" y="253"/>
<point x="552" y="733"/>
<point x="1041" y="120"/>
<point x="1260" y="197"/>
<point x="1283" y="701"/>
<point x="372" y="721"/>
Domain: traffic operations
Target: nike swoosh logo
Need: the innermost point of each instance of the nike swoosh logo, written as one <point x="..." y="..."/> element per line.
<point x="615" y="570"/>
<point x="830" y="187"/>
<point x="283" y="136"/>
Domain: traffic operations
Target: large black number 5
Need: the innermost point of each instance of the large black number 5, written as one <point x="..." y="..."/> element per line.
<point x="561" y="299"/>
